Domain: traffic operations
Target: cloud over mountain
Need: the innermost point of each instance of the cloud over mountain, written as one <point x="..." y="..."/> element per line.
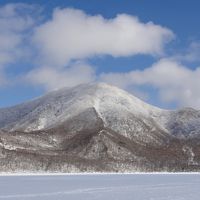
<point x="60" y="48"/>
<point x="174" y="81"/>
<point x="73" y="34"/>
<point x="52" y="78"/>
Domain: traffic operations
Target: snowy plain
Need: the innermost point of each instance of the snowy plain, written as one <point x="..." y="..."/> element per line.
<point x="98" y="186"/>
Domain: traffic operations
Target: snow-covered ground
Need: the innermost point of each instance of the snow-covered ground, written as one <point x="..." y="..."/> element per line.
<point x="106" y="187"/>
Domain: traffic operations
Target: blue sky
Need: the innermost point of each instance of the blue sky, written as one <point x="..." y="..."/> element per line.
<point x="158" y="62"/>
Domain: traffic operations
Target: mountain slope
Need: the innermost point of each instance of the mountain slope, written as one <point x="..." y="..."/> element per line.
<point x="71" y="101"/>
<point x="117" y="109"/>
<point x="97" y="127"/>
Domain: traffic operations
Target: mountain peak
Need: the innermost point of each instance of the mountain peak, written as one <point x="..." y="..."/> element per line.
<point x="60" y="105"/>
<point x="100" y="124"/>
<point x="111" y="104"/>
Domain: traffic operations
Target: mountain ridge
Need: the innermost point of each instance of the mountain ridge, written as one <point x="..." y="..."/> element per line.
<point x="97" y="127"/>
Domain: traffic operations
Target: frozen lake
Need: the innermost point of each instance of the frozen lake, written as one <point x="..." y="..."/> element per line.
<point x="106" y="187"/>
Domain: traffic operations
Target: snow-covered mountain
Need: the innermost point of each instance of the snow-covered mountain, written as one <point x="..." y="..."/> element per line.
<point x="98" y="123"/>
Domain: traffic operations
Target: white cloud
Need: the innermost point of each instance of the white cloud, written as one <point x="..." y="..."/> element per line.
<point x="175" y="82"/>
<point x="51" y="78"/>
<point x="193" y="52"/>
<point x="69" y="36"/>
<point x="14" y="22"/>
<point x="72" y="34"/>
